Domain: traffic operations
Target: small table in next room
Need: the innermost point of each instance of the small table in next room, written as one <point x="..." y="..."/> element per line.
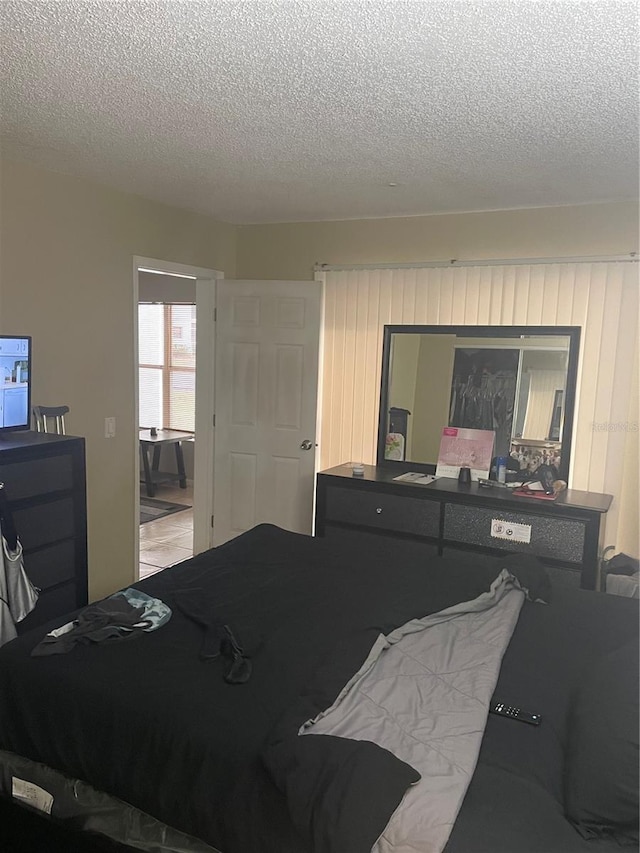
<point x="152" y="474"/>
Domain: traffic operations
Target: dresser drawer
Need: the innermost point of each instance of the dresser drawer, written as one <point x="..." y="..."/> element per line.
<point x="44" y="477"/>
<point x="44" y="523"/>
<point x="558" y="538"/>
<point x="381" y="511"/>
<point x="37" y="476"/>
<point x="52" y="565"/>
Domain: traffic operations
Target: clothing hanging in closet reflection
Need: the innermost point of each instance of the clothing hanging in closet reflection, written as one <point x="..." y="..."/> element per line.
<point x="485" y="402"/>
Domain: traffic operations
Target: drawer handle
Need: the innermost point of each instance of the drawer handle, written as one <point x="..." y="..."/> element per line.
<point x="378" y="509"/>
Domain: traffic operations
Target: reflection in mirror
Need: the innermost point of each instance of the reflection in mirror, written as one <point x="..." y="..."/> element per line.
<point x="518" y="382"/>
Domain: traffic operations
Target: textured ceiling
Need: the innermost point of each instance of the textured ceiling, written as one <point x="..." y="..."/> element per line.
<point x="286" y="110"/>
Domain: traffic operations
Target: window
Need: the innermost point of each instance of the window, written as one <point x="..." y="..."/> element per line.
<point x="167" y="365"/>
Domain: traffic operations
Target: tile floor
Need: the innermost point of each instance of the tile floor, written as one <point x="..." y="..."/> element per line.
<point x="168" y="540"/>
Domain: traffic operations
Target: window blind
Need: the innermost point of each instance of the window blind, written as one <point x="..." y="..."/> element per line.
<point x="167" y="366"/>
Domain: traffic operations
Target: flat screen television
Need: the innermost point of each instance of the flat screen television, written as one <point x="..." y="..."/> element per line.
<point x="15" y="382"/>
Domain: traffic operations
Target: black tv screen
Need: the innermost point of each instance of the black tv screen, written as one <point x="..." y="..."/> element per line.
<point x="15" y="382"/>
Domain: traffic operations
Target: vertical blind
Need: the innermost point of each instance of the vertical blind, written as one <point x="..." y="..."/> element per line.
<point x="167" y="365"/>
<point x="600" y="297"/>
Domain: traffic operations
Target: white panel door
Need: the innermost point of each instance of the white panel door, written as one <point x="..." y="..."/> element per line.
<point x="266" y="387"/>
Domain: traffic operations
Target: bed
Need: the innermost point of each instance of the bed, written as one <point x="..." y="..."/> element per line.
<point x="145" y="741"/>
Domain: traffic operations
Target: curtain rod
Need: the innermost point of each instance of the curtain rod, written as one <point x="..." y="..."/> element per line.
<point x="629" y="258"/>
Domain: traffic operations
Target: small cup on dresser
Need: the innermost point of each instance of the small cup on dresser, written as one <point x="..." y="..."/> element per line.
<point x="464" y="477"/>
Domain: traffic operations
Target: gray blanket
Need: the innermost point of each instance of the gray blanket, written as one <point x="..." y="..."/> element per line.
<point x="423" y="694"/>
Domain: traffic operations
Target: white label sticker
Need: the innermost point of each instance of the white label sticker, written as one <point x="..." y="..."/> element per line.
<point x="31" y="794"/>
<point x="511" y="530"/>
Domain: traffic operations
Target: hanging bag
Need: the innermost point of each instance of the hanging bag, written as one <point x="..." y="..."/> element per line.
<point x="18" y="596"/>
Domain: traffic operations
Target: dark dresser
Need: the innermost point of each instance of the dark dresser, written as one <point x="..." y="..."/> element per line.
<point x="566" y="534"/>
<point x="45" y="483"/>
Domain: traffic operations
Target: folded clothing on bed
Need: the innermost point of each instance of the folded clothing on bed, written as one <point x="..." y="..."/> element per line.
<point x="124" y="615"/>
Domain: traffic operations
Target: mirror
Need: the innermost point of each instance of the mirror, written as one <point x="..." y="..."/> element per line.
<point x="518" y="381"/>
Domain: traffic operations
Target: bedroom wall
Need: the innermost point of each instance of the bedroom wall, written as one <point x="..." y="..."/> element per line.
<point x="66" y="278"/>
<point x="290" y="250"/>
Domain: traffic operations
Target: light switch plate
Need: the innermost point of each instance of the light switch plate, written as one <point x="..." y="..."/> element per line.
<point x="109" y="427"/>
<point x="511" y="530"/>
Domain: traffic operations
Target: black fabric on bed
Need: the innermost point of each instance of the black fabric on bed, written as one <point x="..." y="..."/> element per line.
<point x="177" y="742"/>
<point x="516" y="795"/>
<point x="341" y="792"/>
<point x="601" y="771"/>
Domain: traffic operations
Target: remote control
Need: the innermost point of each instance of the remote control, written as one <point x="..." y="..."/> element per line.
<point x="504" y="710"/>
<point x="491" y="484"/>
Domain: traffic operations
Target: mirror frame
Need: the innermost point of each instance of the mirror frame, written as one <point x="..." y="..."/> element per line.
<point x="571" y="332"/>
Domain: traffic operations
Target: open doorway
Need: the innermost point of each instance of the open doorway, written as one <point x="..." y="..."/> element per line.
<point x="166" y="416"/>
<point x="257" y="342"/>
<point x="172" y="500"/>
<point x="167" y="326"/>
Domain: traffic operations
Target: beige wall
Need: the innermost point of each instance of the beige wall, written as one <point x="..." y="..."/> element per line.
<point x="433" y="397"/>
<point x="290" y="250"/>
<point x="67" y="247"/>
<point x="402" y="381"/>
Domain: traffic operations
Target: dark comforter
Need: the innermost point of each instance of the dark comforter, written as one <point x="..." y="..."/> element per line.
<point x="152" y="723"/>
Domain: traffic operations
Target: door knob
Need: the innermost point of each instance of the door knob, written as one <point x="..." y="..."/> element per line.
<point x="306" y="444"/>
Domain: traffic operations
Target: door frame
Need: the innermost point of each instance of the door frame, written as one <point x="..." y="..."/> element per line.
<point x="205" y="398"/>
